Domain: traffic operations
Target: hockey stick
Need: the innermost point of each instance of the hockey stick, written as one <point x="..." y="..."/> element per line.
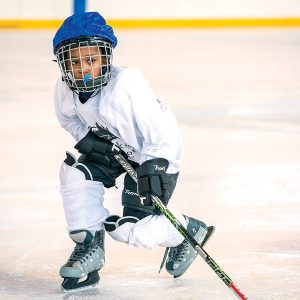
<point x="165" y="211"/>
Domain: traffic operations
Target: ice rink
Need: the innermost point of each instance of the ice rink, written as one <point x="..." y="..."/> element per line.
<point x="236" y="95"/>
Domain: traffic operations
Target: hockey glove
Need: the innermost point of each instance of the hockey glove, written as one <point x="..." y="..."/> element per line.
<point x="153" y="180"/>
<point x="99" y="150"/>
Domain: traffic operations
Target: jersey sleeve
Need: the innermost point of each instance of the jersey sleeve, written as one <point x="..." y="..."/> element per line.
<point x="153" y="122"/>
<point x="66" y="113"/>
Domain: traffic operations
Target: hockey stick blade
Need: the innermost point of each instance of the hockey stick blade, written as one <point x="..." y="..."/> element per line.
<point x="166" y="212"/>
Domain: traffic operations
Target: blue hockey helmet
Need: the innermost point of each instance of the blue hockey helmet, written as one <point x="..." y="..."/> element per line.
<point x="87" y="24"/>
<point x="83" y="48"/>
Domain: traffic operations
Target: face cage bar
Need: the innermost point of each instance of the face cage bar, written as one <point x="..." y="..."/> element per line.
<point x="91" y="81"/>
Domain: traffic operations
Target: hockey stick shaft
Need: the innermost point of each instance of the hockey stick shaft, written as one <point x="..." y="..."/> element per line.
<point x="166" y="212"/>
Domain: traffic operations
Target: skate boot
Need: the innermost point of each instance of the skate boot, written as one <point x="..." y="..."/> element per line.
<point x="181" y="257"/>
<point x="85" y="261"/>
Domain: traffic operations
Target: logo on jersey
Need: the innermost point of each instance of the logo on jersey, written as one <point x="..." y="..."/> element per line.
<point x="102" y="132"/>
<point x="163" y="105"/>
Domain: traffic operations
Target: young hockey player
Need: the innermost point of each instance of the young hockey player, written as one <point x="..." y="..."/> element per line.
<point x="103" y="106"/>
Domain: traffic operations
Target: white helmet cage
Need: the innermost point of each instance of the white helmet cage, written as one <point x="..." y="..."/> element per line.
<point x="85" y="63"/>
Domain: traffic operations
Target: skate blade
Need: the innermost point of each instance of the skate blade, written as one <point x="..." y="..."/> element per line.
<point x="71" y="285"/>
<point x="80" y="289"/>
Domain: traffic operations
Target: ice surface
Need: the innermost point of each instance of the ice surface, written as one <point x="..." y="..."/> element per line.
<point x="236" y="96"/>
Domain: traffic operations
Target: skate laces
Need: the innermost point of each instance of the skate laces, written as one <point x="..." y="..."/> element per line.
<point x="83" y="251"/>
<point x="175" y="253"/>
<point x="78" y="253"/>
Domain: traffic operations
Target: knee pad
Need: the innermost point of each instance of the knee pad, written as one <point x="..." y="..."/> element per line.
<point x="72" y="171"/>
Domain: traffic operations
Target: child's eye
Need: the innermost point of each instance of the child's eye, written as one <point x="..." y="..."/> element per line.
<point x="74" y="62"/>
<point x="91" y="60"/>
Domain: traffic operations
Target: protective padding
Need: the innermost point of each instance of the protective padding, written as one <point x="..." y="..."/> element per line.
<point x="69" y="174"/>
<point x="90" y="24"/>
<point x="82" y="200"/>
<point x="155" y="231"/>
<point x="149" y="232"/>
<point x="119" y="228"/>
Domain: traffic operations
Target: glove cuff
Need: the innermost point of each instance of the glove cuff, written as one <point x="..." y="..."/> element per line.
<point x="154" y="166"/>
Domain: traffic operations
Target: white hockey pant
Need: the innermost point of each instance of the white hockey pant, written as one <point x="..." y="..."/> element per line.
<point x="149" y="232"/>
<point x="83" y="207"/>
<point x="82" y="200"/>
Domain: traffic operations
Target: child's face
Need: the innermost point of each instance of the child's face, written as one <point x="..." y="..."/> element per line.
<point x="83" y="61"/>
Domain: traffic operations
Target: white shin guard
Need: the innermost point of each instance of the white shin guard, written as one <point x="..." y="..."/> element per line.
<point x="82" y="200"/>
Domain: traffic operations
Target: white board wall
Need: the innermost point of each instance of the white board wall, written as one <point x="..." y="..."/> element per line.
<point x="154" y="9"/>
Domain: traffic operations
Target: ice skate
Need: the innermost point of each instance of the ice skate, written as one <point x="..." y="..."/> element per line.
<point x="179" y="258"/>
<point x="85" y="261"/>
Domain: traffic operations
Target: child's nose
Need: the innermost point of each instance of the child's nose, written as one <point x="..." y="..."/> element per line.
<point x="86" y="66"/>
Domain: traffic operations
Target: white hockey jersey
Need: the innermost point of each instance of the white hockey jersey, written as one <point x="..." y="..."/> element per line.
<point x="146" y="128"/>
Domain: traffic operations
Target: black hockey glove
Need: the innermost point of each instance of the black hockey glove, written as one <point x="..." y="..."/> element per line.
<point x="99" y="150"/>
<point x="153" y="180"/>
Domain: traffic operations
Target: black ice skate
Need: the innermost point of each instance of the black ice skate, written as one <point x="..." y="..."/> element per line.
<point x="85" y="261"/>
<point x="181" y="257"/>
